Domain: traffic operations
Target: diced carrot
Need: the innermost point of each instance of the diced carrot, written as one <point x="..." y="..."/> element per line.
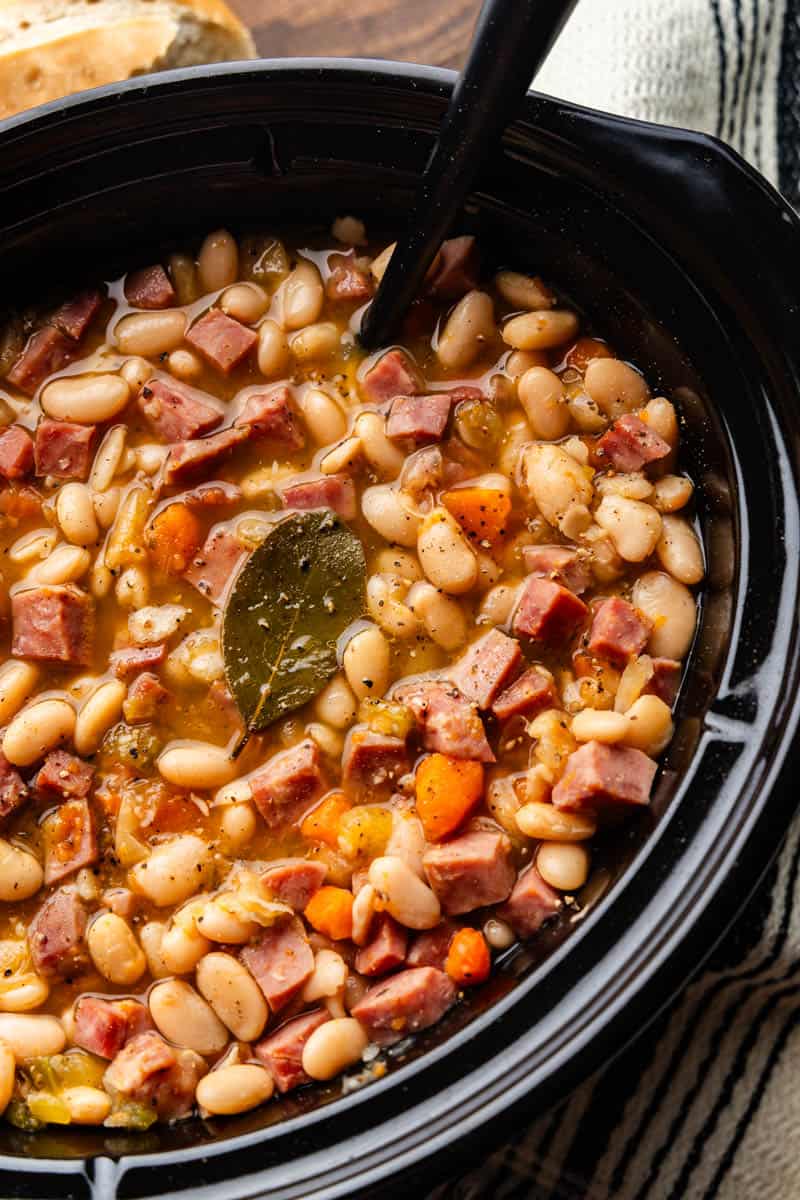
<point x="468" y="960"/>
<point x="322" y="823"/>
<point x="480" y="511"/>
<point x="173" y="538"/>
<point x="330" y="911"/>
<point x="584" y="350"/>
<point x="447" y="791"/>
<point x="18" y="503"/>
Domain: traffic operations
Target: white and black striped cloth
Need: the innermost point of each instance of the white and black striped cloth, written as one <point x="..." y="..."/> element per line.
<point x="706" y="1104"/>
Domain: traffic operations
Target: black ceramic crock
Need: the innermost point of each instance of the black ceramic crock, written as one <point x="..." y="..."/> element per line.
<point x="688" y="262"/>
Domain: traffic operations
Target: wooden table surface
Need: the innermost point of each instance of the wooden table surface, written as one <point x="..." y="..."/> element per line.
<point x="425" y="31"/>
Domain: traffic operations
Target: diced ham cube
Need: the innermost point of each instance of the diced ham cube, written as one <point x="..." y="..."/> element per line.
<point x="470" y="871"/>
<point x="53" y="623"/>
<point x="281" y="962"/>
<point x="560" y="564"/>
<point x="149" y="287"/>
<point x="188" y="460"/>
<point x="419" y="418"/>
<point x="16" y="453"/>
<point x="76" y="315"/>
<point x="121" y="901"/>
<point x="600" y="777"/>
<point x="100" y="1027"/>
<point x="531" y="903"/>
<point x="329" y="491"/>
<point x="46" y="351"/>
<point x="64" y="449"/>
<point x="131" y="660"/>
<point x="142" y="1058"/>
<point x="64" y="776"/>
<point x="665" y="680"/>
<point x="288" y="784"/>
<point x="394" y="374"/>
<point x="70" y="840"/>
<point x="282" y="1052"/>
<point x="618" y="633"/>
<point x="145" y="697"/>
<point x="487" y="667"/>
<point x="455" y="270"/>
<point x="373" y="760"/>
<point x="386" y="949"/>
<point x="547" y="612"/>
<point x="221" y="341"/>
<point x="273" y="415"/>
<point x="214" y="568"/>
<point x="347" y="281"/>
<point x="527" y="695"/>
<point x="55" y="935"/>
<point x="446" y="720"/>
<point x="157" y="1075"/>
<point x="295" y="881"/>
<point x="406" y="1003"/>
<point x="631" y="444"/>
<point x="13" y="791"/>
<point x="176" y="412"/>
<point x="429" y="949"/>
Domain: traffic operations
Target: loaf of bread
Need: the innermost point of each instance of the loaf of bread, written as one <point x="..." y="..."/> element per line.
<point x="51" y="48"/>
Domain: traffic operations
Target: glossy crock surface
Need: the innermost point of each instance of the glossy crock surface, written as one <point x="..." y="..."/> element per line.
<point x="687" y="261"/>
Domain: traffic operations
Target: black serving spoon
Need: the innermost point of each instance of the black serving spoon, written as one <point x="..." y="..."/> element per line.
<point x="511" y="40"/>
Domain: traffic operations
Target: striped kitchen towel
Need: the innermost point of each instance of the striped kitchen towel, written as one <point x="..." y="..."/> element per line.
<point x="705" y="1105"/>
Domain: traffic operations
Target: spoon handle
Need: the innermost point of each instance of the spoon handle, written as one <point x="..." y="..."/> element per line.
<point x="510" y="42"/>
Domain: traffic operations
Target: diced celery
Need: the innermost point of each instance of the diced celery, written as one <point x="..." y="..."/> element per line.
<point x="391" y="720"/>
<point x="364" y="831"/>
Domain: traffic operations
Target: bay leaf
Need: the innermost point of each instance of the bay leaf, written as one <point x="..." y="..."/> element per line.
<point x="292" y="600"/>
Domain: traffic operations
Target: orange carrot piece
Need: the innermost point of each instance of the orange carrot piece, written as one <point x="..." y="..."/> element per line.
<point x="173" y="538"/>
<point x="468" y="960"/>
<point x="480" y="511"/>
<point x="322" y="823"/>
<point x="447" y="791"/>
<point x="330" y="911"/>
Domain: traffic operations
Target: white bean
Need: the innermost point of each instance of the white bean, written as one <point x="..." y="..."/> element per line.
<point x="363" y="912"/>
<point x="523" y="291"/>
<point x="615" y="387"/>
<point x="218" y="261"/>
<point x="379" y="450"/>
<point x="107" y="459"/>
<point x="546" y="823"/>
<point x="87" y="1105"/>
<point x="343" y="455"/>
<point x="540" y="330"/>
<point x="467" y="331"/>
<point x="150" y="334"/>
<point x="182" y="949"/>
<point x="184" y="1017"/>
<point x="234" y="1089"/>
<point x="407" y="841"/>
<point x="660" y="415"/>
<point x="557" y="483"/>
<point x="323" y="417"/>
<point x="633" y="526"/>
<point x="233" y="994"/>
<point x="133" y="588"/>
<point x="328" y="977"/>
<point x="333" y="1047"/>
<point x="75" y="513"/>
<point x="31" y="546"/>
<point x="151" y="937"/>
<point x="350" y="231"/>
<point x="366" y="662"/>
<point x="184" y="365"/>
<point x="399" y="562"/>
<point x="8" y="1069"/>
<point x="18" y="681"/>
<point x="38" y="728"/>
<point x="106" y="506"/>
<point x="672" y="492"/>
<point x="273" y="349"/>
<point x="671" y="608"/>
<point x="499" y="934"/>
<point x="498" y="604"/>
<point x="649" y="722"/>
<point x="199" y="765"/>
<point x="597" y="725"/>
<point x="136" y="372"/>
<point x="238" y="826"/>
<point x="301" y="296"/>
<point x="245" y="302"/>
<point x="99" y="712"/>
<point x="564" y="865"/>
<point x="679" y="550"/>
<point x="390" y="514"/>
<point x="114" y="949"/>
<point x="66" y="564"/>
<point x="442" y="616"/>
<point x="541" y="394"/>
<point x="31" y="1035"/>
<point x="21" y="874"/>
<point x="403" y="894"/>
<point x="385" y="604"/>
<point x="219" y="923"/>
<point x="176" y="870"/>
<point x="316" y="341"/>
<point x="444" y="553"/>
<point x="85" y="399"/>
<point x="329" y="741"/>
<point x="29" y="992"/>
<point x="336" y="704"/>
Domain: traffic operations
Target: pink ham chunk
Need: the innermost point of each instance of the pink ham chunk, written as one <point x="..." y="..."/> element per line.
<point x="470" y="871"/>
<point x="406" y="1003"/>
<point x="55" y="935"/>
<point x="75" y="316"/>
<point x="547" y="612"/>
<point x="151" y="1072"/>
<point x="46" y="351"/>
<point x="176" y="412"/>
<point x="188" y="460"/>
<point x="527" y="695"/>
<point x="64" y="449"/>
<point x="455" y="269"/>
<point x="217" y="494"/>
<point x="560" y="564"/>
<point x="373" y="760"/>
<point x="295" y="881"/>
<point x="329" y="491"/>
<point x="531" y="903"/>
<point x="64" y="776"/>
<point x="221" y="341"/>
<point x="286" y="786"/>
<point x="131" y="660"/>
<point x="386" y="949"/>
<point x="16" y="453"/>
<point x="347" y="281"/>
<point x="487" y="667"/>
<point x="273" y="415"/>
<point x="104" y="1026"/>
<point x="149" y="287"/>
<point x="135" y="1065"/>
<point x="600" y="777"/>
<point x="53" y="623"/>
<point x="665" y="680"/>
<point x="419" y="418"/>
<point x="144" y="699"/>
<point x="214" y="568"/>
<point x="631" y="444"/>
<point x="618" y="632"/>
<point x="281" y="962"/>
<point x="394" y="374"/>
<point x="429" y="949"/>
<point x="446" y="720"/>
<point x="13" y="791"/>
<point x="282" y="1052"/>
<point x="70" y="840"/>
